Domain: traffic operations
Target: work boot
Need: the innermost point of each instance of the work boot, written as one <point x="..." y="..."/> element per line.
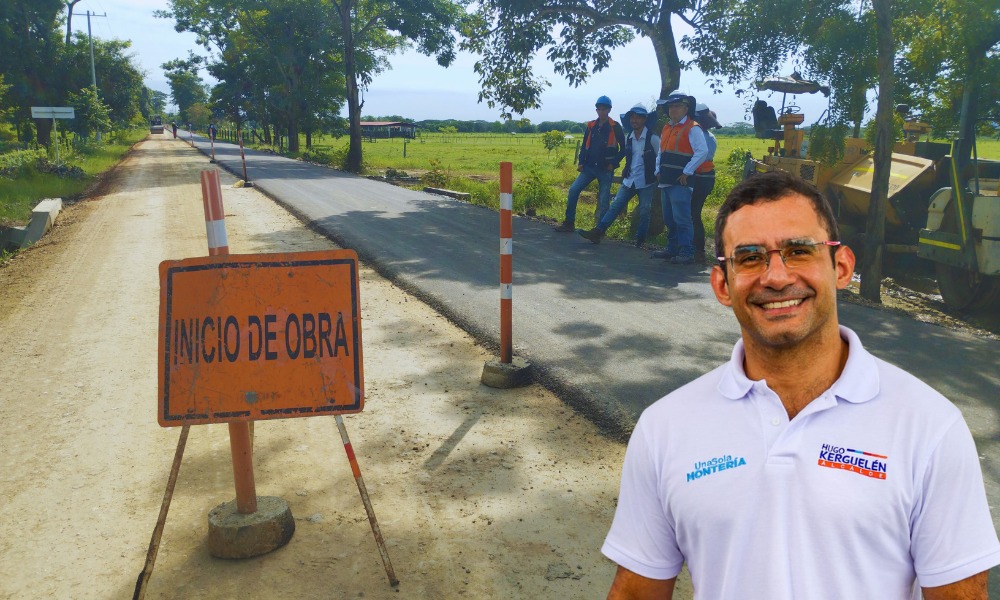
<point x="661" y="254"/>
<point x="594" y="235"/>
<point x="566" y="227"/>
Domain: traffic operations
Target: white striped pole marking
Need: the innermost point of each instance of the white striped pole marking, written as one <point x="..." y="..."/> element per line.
<point x="215" y="216"/>
<point x="506" y="261"/>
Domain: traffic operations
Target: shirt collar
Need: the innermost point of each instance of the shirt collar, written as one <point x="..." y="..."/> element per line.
<point x="859" y="381"/>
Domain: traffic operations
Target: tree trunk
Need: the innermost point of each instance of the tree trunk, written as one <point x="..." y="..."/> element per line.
<point x="667" y="60"/>
<point x="967" y="118"/>
<point x="871" y="272"/>
<point x="43" y="130"/>
<point x="309" y="139"/>
<point x="69" y="19"/>
<point x="353" y="163"/>
<point x="665" y="47"/>
<point x="293" y="135"/>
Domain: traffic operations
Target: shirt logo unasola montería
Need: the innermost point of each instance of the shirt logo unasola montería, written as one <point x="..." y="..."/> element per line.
<point x="864" y="463"/>
<point x="703" y="468"/>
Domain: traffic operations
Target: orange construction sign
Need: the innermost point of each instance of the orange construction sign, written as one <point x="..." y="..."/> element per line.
<point x="260" y="336"/>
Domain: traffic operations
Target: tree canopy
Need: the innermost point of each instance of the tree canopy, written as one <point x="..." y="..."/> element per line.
<point x="47" y="67"/>
<point x="577" y="36"/>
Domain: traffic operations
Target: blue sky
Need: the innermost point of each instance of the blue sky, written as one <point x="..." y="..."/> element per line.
<point x="418" y="88"/>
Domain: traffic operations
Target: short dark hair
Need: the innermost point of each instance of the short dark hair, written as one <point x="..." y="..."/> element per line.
<point x="768" y="187"/>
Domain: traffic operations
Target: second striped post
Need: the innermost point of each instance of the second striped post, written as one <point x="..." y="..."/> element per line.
<point x="506" y="261"/>
<point x="507" y="372"/>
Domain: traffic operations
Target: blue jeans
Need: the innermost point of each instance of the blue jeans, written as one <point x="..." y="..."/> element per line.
<point x="620" y="203"/>
<point x="587" y="175"/>
<point x="675" y="200"/>
<point x="704" y="183"/>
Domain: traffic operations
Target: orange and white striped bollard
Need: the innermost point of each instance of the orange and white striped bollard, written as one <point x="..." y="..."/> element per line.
<point x="506" y="261"/>
<point x="239" y="433"/>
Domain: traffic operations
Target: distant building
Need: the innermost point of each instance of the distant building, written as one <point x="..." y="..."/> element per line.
<point x="387" y="129"/>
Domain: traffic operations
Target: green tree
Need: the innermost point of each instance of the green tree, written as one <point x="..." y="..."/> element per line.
<point x="30" y="38"/>
<point x="577" y="37"/>
<point x="553" y="139"/>
<point x="279" y="64"/>
<point x="152" y="103"/>
<point x="91" y="114"/>
<point x="186" y="86"/>
<point x="372" y="29"/>
<point x="950" y="62"/>
<point x="119" y="80"/>
<point x="199" y="115"/>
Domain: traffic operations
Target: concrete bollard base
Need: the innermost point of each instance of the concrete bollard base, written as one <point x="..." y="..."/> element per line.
<point x="235" y="535"/>
<point x="502" y="375"/>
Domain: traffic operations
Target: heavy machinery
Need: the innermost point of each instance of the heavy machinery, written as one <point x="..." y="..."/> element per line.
<point x="943" y="217"/>
<point x="156" y="124"/>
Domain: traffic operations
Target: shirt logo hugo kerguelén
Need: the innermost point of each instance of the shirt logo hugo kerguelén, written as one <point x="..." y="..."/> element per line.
<point x="864" y="463"/>
<point x="711" y="466"/>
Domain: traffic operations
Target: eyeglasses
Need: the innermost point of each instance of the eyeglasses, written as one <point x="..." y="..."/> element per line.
<point x="754" y="260"/>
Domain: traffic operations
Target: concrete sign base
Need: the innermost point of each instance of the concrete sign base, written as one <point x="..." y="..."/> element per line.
<point x="235" y="535"/>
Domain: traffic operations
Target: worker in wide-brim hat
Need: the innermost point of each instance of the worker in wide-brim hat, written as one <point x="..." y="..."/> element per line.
<point x="683" y="155"/>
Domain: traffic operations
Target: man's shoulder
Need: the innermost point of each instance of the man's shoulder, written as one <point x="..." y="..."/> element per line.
<point x="700" y="393"/>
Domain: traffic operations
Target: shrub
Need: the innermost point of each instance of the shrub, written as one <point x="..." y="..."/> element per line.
<point x="553" y="139"/>
<point x="534" y="192"/>
<point x="13" y="164"/>
<point x="436" y="176"/>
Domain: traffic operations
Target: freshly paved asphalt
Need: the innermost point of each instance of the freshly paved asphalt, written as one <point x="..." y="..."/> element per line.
<point x="607" y="328"/>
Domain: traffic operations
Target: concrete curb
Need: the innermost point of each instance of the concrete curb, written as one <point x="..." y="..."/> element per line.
<point x="43" y="217"/>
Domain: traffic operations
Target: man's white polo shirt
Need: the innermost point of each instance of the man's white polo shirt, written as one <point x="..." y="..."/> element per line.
<point x="872" y="491"/>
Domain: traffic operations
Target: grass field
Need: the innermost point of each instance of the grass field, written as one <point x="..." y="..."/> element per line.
<point x="20" y="194"/>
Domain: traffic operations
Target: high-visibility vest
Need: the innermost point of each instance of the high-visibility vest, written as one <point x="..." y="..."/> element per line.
<point x="611" y="154"/>
<point x="676" y="152"/>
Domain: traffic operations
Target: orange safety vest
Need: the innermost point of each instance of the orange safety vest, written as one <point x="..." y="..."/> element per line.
<point x="611" y="134"/>
<point x="674" y="139"/>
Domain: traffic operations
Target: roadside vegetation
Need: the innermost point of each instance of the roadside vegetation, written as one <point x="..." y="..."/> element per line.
<point x="27" y="176"/>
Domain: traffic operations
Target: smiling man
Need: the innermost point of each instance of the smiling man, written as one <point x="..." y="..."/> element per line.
<point x="805" y="467"/>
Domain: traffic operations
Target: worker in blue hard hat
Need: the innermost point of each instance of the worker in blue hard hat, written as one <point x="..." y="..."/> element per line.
<point x="602" y="151"/>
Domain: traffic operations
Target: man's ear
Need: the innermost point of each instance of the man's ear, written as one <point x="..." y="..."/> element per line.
<point x="843" y="262"/>
<point x="720" y="286"/>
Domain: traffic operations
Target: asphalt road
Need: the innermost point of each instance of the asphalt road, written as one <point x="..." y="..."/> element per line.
<point x="607" y="328"/>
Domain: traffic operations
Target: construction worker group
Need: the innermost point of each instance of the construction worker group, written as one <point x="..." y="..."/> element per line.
<point x="677" y="162"/>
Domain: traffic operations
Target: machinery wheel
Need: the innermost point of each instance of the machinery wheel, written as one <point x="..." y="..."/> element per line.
<point x="964" y="289"/>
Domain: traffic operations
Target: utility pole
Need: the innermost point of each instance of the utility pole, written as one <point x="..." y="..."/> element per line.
<point x="93" y="69"/>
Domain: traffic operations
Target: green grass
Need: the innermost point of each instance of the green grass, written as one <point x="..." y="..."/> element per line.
<point x="18" y="196"/>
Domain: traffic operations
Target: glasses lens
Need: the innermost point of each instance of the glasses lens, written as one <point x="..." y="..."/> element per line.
<point x="799" y="255"/>
<point x="749" y="259"/>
